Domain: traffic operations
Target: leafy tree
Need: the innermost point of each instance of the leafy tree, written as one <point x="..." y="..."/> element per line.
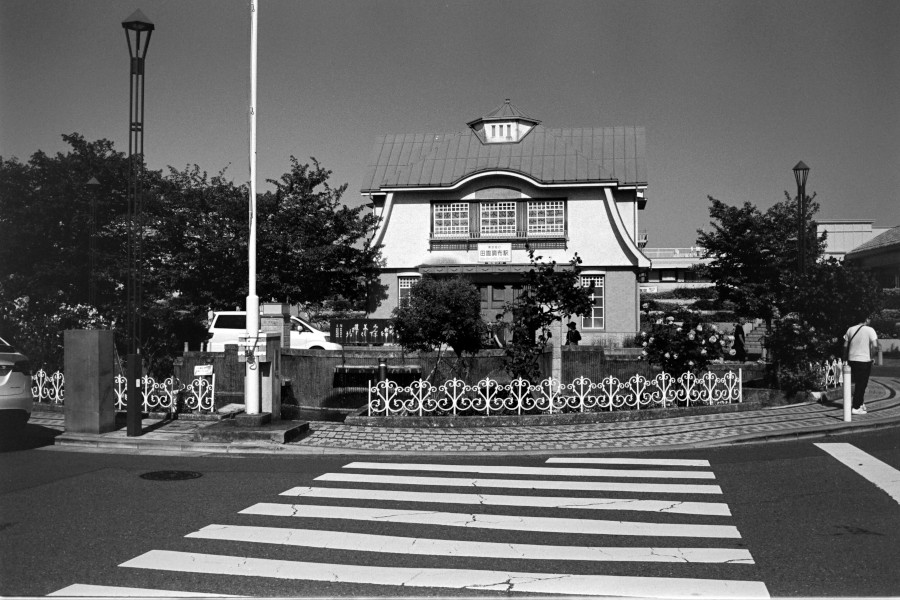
<point x="310" y="249"/>
<point x="549" y="294"/>
<point x="754" y="255"/>
<point x="441" y="312"/>
<point x="754" y="265"/>
<point x="315" y="250"/>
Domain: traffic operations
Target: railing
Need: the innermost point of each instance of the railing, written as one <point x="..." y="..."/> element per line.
<point x="48" y="387"/>
<point x="831" y="373"/>
<point x="489" y="397"/>
<point x="165" y="396"/>
<point x="674" y="252"/>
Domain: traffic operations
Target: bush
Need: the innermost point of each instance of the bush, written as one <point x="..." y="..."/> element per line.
<point x="682" y="345"/>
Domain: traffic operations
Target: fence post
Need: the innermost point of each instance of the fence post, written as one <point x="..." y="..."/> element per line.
<point x="845" y="371"/>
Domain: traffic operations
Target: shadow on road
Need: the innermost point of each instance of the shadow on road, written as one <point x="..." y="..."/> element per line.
<point x="26" y="438"/>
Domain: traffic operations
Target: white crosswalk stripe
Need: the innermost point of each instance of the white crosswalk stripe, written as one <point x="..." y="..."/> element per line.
<point x="540" y="471"/>
<point x="527" y="484"/>
<point x="688" y="508"/>
<point x="364" y="511"/>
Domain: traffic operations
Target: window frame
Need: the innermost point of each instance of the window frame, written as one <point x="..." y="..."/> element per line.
<point x="456" y="213"/>
<point x="597" y="318"/>
<point x="506" y="211"/>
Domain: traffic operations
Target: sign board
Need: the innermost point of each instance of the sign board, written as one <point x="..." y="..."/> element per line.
<point x="203" y="370"/>
<point x="362" y="332"/>
<point x="495" y="253"/>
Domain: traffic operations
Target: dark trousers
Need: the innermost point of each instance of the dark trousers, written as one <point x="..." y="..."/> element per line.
<point x="859" y="376"/>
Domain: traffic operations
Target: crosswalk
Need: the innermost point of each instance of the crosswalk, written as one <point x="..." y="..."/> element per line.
<point x="572" y="526"/>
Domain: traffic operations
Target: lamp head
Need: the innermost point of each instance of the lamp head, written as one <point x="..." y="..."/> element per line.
<point x="138" y="22"/>
<point x="800" y="173"/>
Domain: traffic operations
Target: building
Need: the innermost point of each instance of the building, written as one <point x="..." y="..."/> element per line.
<point x="881" y="256"/>
<point x="471" y="202"/>
<point x="843" y="235"/>
<point x="672" y="268"/>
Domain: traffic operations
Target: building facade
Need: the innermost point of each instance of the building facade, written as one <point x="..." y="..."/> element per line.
<point x="471" y="203"/>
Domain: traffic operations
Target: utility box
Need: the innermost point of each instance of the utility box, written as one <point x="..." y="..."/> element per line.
<point x="266" y="355"/>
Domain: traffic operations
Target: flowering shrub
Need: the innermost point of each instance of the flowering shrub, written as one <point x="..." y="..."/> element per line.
<point x="682" y="342"/>
<point x="796" y="348"/>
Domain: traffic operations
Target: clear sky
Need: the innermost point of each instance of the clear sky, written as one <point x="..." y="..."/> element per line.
<point x="732" y="93"/>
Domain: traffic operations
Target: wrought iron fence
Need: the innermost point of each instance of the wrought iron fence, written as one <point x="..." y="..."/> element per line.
<point x="831" y="373"/>
<point x="489" y="397"/>
<point x="169" y="395"/>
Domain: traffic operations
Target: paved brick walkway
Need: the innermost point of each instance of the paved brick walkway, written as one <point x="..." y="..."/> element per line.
<point x="788" y="422"/>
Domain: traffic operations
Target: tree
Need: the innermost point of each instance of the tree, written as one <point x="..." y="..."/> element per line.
<point x="549" y="295"/>
<point x="441" y="312"/>
<point x="754" y="255"/>
<point x="754" y="264"/>
<point x="311" y="249"/>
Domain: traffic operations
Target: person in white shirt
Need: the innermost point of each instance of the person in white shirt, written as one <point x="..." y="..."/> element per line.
<point x="862" y="343"/>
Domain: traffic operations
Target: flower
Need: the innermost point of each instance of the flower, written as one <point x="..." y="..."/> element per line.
<point x="699" y="327"/>
<point x="643" y="334"/>
<point x="670" y="318"/>
<point x="691" y="336"/>
<point x="732" y="352"/>
<point x="703" y="352"/>
<point x="713" y="339"/>
<point x="644" y="344"/>
<point x="666" y="355"/>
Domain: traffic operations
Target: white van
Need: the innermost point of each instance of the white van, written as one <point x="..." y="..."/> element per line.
<point x="227" y="326"/>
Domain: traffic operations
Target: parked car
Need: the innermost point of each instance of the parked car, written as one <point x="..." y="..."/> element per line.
<point x="15" y="386"/>
<point x="227" y="326"/>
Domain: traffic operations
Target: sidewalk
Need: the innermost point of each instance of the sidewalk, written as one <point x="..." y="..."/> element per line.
<point x="680" y="432"/>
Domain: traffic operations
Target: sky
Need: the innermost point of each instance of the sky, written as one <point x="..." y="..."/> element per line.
<point x="732" y="93"/>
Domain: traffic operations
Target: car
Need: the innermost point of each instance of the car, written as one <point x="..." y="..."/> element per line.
<point x="227" y="326"/>
<point x="16" y="397"/>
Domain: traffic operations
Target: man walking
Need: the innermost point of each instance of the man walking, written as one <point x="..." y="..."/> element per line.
<point x="860" y="344"/>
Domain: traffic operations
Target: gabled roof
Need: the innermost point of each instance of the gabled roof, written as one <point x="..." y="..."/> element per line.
<point x="888" y="239"/>
<point x="549" y="156"/>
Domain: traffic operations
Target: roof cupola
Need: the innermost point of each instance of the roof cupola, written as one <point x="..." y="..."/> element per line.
<point x="505" y="124"/>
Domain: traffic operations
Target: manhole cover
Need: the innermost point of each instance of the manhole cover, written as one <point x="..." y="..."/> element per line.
<point x="171" y="475"/>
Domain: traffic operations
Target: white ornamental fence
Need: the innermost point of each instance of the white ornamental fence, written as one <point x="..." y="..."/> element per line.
<point x="831" y="373"/>
<point x="489" y="397"/>
<point x="163" y="396"/>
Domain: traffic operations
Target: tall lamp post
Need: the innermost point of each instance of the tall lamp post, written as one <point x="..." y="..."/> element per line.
<point x="801" y="171"/>
<point x="136" y="26"/>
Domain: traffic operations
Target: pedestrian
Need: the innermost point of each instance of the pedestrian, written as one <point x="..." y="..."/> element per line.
<point x="739" y="345"/>
<point x="572" y="335"/>
<point x="499" y="331"/>
<point x="860" y="346"/>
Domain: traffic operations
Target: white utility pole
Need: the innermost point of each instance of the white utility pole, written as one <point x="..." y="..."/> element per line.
<point x="252" y="378"/>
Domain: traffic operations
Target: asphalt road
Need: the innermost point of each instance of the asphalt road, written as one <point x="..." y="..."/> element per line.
<point x="812" y="526"/>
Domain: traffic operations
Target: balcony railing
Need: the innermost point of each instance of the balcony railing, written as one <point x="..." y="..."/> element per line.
<point x="518" y="239"/>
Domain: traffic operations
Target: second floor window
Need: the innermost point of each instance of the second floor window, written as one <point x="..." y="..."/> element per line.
<point x="498" y="218"/>
<point x="451" y="219"/>
<point x="546" y="217"/>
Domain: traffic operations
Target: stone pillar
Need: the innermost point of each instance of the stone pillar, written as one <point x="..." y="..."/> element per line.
<point x="90" y="401"/>
<point x="556" y="342"/>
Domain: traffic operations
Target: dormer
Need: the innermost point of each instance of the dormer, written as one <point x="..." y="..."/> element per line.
<point x="504" y="125"/>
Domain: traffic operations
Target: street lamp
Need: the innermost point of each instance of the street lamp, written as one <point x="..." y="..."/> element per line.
<point x="801" y="171"/>
<point x="135" y="27"/>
